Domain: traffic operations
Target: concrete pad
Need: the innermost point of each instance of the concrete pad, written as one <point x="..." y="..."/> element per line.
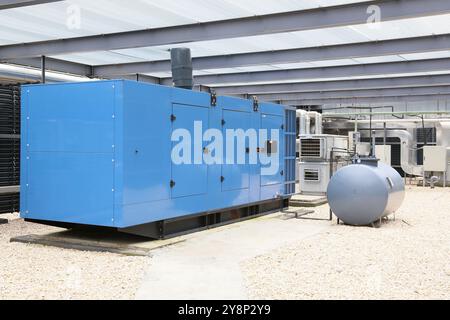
<point x="207" y="265"/>
<point x="98" y="240"/>
<point x="309" y="201"/>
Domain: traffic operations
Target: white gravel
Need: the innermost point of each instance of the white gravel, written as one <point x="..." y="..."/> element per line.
<point x="405" y="259"/>
<point x="38" y="272"/>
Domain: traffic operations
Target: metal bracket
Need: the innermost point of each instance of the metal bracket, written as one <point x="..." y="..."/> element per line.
<point x="255" y="103"/>
<point x="213" y="99"/>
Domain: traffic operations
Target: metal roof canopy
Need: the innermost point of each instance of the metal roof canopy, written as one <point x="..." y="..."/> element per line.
<point x="377" y="48"/>
<point x="369" y="49"/>
<point x="309" y="19"/>
<point x="350" y="14"/>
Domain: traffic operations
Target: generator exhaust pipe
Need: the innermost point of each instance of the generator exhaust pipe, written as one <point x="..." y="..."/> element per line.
<point x="182" y="71"/>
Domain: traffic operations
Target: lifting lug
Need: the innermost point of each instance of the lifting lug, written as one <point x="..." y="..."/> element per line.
<point x="213" y="99"/>
<point x="255" y="103"/>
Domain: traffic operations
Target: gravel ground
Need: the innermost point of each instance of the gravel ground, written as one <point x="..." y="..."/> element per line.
<point x="405" y="259"/>
<point x="37" y="272"/>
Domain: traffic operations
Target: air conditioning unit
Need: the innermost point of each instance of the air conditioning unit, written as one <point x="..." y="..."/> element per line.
<point x="319" y="157"/>
<point x="319" y="148"/>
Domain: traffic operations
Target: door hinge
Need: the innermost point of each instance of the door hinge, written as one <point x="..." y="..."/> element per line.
<point x="223" y="122"/>
<point x="282" y="173"/>
<point x="282" y="127"/>
<point x="173" y="118"/>
<point x="255" y="103"/>
<point x="222" y="179"/>
<point x="213" y="99"/>
<point x="172" y="184"/>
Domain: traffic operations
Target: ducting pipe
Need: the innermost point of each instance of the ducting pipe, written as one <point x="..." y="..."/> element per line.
<point x="182" y="71"/>
<point x="443" y="139"/>
<point x="408" y="152"/>
<point x="308" y="124"/>
<point x="318" y="123"/>
<point x="302" y="117"/>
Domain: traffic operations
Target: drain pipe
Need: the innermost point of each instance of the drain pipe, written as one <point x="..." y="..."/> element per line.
<point x="182" y="71"/>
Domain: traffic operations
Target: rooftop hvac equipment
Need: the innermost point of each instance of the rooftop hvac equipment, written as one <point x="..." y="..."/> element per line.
<point x="365" y="192"/>
<point x="102" y="154"/>
<point x="320" y="156"/>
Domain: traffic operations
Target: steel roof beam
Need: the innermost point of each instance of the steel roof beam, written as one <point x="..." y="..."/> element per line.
<point x="369" y="100"/>
<point x="395" y="92"/>
<point x="10" y="4"/>
<point x="375" y="69"/>
<point x="335" y="52"/>
<point x="416" y="81"/>
<point x="349" y="14"/>
<point x="55" y="65"/>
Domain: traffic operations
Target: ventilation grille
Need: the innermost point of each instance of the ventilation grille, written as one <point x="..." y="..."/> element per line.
<point x="427" y="134"/>
<point x="9" y="146"/>
<point x="312" y="175"/>
<point x="290" y="149"/>
<point x="311" y="148"/>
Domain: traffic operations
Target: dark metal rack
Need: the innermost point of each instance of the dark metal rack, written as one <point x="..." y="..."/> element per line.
<point x="9" y="148"/>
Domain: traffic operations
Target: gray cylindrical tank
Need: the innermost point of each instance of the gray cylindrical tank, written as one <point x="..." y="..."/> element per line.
<point x="361" y="194"/>
<point x="182" y="71"/>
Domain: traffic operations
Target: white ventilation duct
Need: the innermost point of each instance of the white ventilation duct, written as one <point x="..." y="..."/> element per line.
<point x="303" y="122"/>
<point x="408" y="151"/>
<point x="443" y="139"/>
<point x="305" y="119"/>
<point x="318" y="123"/>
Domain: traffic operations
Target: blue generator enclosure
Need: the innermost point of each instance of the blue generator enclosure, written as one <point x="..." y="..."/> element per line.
<point x="133" y="156"/>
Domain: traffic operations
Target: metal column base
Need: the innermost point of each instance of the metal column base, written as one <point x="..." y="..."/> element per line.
<point x="4" y="221"/>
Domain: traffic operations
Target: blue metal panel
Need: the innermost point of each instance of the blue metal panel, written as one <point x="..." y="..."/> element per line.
<point x="70" y="187"/>
<point x="191" y="178"/>
<point x="236" y="176"/>
<point x="68" y="157"/>
<point x="58" y="122"/>
<point x="272" y="122"/>
<point x="146" y="173"/>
